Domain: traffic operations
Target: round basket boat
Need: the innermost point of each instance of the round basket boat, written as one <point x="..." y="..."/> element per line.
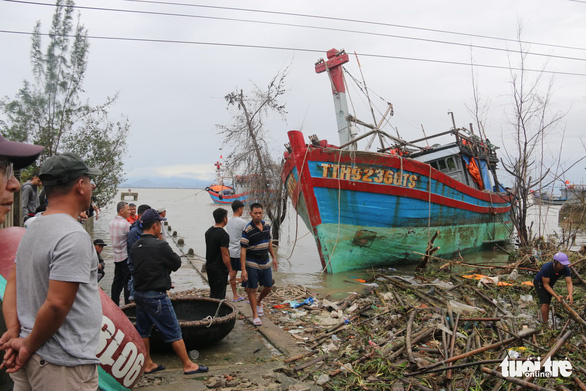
<point x="204" y="322"/>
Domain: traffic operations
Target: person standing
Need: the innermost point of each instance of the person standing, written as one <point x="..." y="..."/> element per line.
<point x="13" y="156"/>
<point x="255" y="262"/>
<point x="119" y="228"/>
<point x="235" y="226"/>
<point x="99" y="246"/>
<point x="218" y="265"/>
<point x="133" y="235"/>
<point x="132" y="217"/>
<point x="547" y="277"/>
<point x="154" y="260"/>
<point x="52" y="304"/>
<point x="30" y="197"/>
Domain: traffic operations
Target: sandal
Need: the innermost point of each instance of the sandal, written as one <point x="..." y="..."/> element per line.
<point x="257" y="322"/>
<point x="237" y="299"/>
<point x="259" y="310"/>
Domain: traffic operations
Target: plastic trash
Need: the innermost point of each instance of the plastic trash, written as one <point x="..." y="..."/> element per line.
<point x="296" y="304"/>
<point x="526" y="298"/>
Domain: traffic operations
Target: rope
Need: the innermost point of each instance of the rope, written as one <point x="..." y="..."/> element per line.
<point x="210" y="318"/>
<point x="297" y="209"/>
<point x="339" y="214"/>
<point x="429" y="205"/>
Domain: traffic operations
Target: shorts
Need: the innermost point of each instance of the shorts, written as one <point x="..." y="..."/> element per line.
<point x="235" y="263"/>
<point x="543" y="295"/>
<point x="257" y="276"/>
<point x="38" y="374"/>
<point x="155" y="308"/>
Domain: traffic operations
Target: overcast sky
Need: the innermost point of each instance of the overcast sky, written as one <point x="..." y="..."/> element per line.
<point x="173" y="92"/>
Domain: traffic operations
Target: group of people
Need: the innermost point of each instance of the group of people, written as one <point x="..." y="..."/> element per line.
<point x="234" y="245"/>
<point x="51" y="303"/>
<point x="51" y="296"/>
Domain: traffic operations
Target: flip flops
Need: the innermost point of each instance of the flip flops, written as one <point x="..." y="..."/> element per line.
<point x="200" y="369"/>
<point x="239" y="298"/>
<point x="259" y="310"/>
<point x="257" y="322"/>
<point x="160" y="367"/>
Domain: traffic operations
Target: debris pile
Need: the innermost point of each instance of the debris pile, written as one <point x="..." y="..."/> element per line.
<point x="434" y="331"/>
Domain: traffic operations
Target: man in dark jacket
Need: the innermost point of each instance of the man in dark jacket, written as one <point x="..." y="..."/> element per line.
<point x="154" y="260"/>
<point x="133" y="235"/>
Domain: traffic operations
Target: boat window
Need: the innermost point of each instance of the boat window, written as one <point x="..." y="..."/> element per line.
<point x="451" y="164"/>
<point x="442" y="165"/>
<point x="434" y="165"/>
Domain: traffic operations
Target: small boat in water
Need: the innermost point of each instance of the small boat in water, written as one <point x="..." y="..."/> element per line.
<point x="204" y="321"/>
<point x="224" y="194"/>
<point x="368" y="209"/>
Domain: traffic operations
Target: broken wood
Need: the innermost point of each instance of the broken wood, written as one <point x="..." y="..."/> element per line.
<point x="521" y="335"/>
<point x="429" y="251"/>
<point x="300" y="356"/>
<point x="408" y="345"/>
<point x="309" y="363"/>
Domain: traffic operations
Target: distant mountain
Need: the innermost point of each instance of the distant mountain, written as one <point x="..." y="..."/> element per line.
<point x="165" y="182"/>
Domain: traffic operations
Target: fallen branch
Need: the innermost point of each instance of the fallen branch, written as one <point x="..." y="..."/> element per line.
<point x="521" y="335"/>
<point x="468" y="364"/>
<point x="309" y="363"/>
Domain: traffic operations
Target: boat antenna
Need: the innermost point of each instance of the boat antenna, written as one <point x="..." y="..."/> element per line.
<point x="453" y="121"/>
<point x="424" y="135"/>
<point x="368" y="97"/>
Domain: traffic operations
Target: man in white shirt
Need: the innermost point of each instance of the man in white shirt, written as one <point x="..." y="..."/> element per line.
<point x="119" y="228"/>
<point x="234" y="228"/>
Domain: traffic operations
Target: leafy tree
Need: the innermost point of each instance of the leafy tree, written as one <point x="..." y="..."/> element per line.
<point x="251" y="154"/>
<point x="52" y="112"/>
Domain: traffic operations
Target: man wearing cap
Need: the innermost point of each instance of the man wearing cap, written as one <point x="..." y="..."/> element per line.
<point x="119" y="228"/>
<point x="13" y="156"/>
<point x="547" y="277"/>
<point x="99" y="246"/>
<point x="154" y="260"/>
<point x="52" y="303"/>
<point x="30" y="197"/>
<point x="133" y="235"/>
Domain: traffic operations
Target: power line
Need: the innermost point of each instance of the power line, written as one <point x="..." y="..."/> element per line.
<point x="359" y="21"/>
<point x="320" y="51"/>
<point x="297" y="25"/>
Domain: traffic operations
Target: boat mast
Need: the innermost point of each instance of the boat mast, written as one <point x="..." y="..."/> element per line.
<point x="335" y="71"/>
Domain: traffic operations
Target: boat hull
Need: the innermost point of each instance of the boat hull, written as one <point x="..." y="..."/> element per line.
<point x="227" y="199"/>
<point x="369" y="209"/>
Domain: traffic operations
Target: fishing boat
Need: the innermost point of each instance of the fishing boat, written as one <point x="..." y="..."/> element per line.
<point x="368" y="209"/>
<point x="547" y="198"/>
<point x="224" y="194"/>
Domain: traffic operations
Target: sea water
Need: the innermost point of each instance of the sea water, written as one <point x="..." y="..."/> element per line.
<point x="189" y="213"/>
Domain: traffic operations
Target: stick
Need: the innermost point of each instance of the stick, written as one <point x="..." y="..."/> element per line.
<point x="468" y="364"/>
<point x="560" y="342"/>
<point x="573" y="313"/>
<point x="309" y="363"/>
<point x="408" y="338"/>
<point x="455" y="331"/>
<point x="300" y="356"/>
<point x="578" y="276"/>
<point x="524" y="334"/>
<point x="515" y="380"/>
<point x="579" y="383"/>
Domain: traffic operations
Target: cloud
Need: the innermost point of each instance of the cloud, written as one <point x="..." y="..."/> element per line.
<point x="191" y="171"/>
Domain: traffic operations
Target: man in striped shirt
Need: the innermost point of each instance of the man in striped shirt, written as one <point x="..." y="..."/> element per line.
<point x="255" y="262"/>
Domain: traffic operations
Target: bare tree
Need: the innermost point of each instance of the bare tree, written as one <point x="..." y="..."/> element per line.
<point x="532" y="119"/>
<point x="250" y="155"/>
